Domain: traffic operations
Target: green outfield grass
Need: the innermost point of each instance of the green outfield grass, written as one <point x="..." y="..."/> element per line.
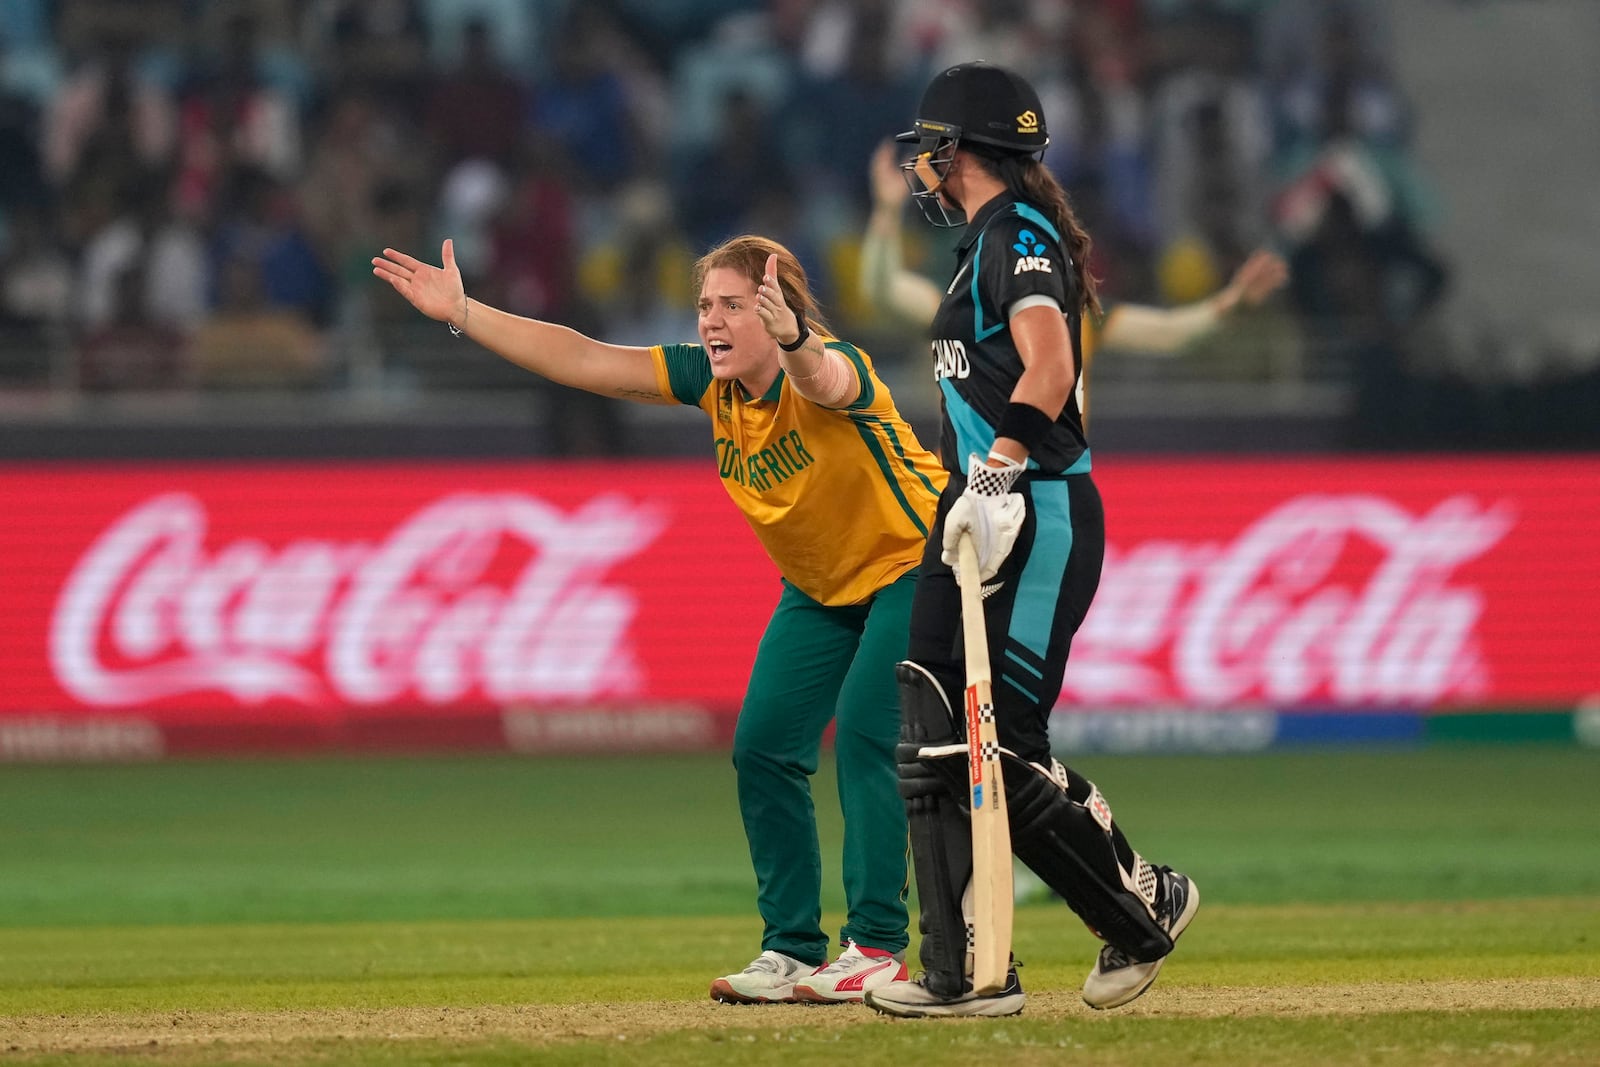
<point x="1429" y="907"/>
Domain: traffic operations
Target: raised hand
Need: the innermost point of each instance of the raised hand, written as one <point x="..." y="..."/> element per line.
<point x="781" y="323"/>
<point x="437" y="292"/>
<point x="889" y="189"/>
<point x="1256" y="279"/>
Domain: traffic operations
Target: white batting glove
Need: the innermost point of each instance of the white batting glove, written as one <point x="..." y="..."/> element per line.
<point x="990" y="511"/>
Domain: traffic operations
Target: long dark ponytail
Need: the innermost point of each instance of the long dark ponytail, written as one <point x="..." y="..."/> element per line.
<point x="1030" y="179"/>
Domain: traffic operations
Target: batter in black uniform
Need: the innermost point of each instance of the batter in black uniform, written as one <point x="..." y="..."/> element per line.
<point x="1005" y="344"/>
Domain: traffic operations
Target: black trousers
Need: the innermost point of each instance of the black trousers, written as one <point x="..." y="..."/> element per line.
<point x="1047" y="584"/>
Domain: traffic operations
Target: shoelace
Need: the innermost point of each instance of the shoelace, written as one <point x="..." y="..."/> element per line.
<point x="1113" y="958"/>
<point x="845" y="962"/>
<point x="765" y="964"/>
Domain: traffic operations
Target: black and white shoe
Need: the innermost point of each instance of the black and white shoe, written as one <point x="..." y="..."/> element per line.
<point x="914" y="1000"/>
<point x="1118" y="978"/>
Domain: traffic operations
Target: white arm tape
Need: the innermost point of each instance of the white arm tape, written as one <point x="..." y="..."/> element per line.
<point x="1037" y="300"/>
<point x="832" y="385"/>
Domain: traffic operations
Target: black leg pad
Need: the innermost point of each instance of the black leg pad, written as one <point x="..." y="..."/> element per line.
<point x="941" y="833"/>
<point x="1088" y="864"/>
<point x="1086" y="861"/>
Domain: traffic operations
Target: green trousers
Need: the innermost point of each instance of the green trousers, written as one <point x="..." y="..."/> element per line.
<point x="815" y="665"/>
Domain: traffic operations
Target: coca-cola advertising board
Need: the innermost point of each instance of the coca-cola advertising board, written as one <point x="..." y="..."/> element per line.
<point x="543" y="605"/>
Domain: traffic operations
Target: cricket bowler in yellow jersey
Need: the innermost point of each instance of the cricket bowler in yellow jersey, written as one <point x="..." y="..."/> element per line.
<point x="809" y="445"/>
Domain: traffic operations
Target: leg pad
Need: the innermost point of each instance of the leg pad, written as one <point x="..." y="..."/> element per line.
<point x="1063" y="830"/>
<point x="941" y="832"/>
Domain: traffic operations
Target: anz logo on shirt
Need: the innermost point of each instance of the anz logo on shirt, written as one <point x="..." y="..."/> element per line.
<point x="1030" y="254"/>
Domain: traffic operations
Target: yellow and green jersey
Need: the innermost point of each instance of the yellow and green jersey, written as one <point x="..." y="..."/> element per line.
<point x="842" y="500"/>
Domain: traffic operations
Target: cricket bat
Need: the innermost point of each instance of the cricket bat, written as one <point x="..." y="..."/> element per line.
<point x="991" y="832"/>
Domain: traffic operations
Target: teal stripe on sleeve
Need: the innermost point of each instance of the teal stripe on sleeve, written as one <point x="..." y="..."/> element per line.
<point x="1033" y="216"/>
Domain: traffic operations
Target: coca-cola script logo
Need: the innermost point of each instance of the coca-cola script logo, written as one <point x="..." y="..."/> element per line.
<point x="496" y="596"/>
<point x="1349" y="599"/>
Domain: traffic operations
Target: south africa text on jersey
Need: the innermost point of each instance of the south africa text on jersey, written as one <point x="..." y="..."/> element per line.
<point x="778" y="461"/>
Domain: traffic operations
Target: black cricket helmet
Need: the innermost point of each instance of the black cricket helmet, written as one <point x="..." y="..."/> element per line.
<point x="977" y="102"/>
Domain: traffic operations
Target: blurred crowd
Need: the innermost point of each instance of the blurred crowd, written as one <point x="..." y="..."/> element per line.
<point x="191" y="190"/>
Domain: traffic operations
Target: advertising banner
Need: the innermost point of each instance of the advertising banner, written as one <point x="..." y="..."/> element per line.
<point x="160" y="607"/>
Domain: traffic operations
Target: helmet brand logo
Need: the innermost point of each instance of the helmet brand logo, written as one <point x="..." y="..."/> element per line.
<point x="1028" y="122"/>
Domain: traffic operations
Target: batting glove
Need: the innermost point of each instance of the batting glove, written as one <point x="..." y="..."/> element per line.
<point x="990" y="511"/>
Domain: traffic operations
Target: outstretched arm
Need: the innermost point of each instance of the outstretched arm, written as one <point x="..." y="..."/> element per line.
<point x="1166" y="331"/>
<point x="552" y="351"/>
<point x="885" y="283"/>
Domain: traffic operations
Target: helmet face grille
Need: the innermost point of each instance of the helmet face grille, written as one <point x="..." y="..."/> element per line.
<point x="925" y="172"/>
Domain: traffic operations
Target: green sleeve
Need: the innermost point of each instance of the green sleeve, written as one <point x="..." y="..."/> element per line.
<point x="688" y="372"/>
<point x="863" y="374"/>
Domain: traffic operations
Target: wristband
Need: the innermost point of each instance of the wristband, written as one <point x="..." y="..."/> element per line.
<point x="1024" y="424"/>
<point x="461" y="331"/>
<point x="985" y="480"/>
<point x="805" y="332"/>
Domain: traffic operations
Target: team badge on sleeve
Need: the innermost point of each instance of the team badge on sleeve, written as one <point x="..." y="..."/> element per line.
<point x="1030" y="254"/>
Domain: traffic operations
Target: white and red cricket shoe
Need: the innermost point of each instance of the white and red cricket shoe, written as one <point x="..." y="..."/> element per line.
<point x="847" y="979"/>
